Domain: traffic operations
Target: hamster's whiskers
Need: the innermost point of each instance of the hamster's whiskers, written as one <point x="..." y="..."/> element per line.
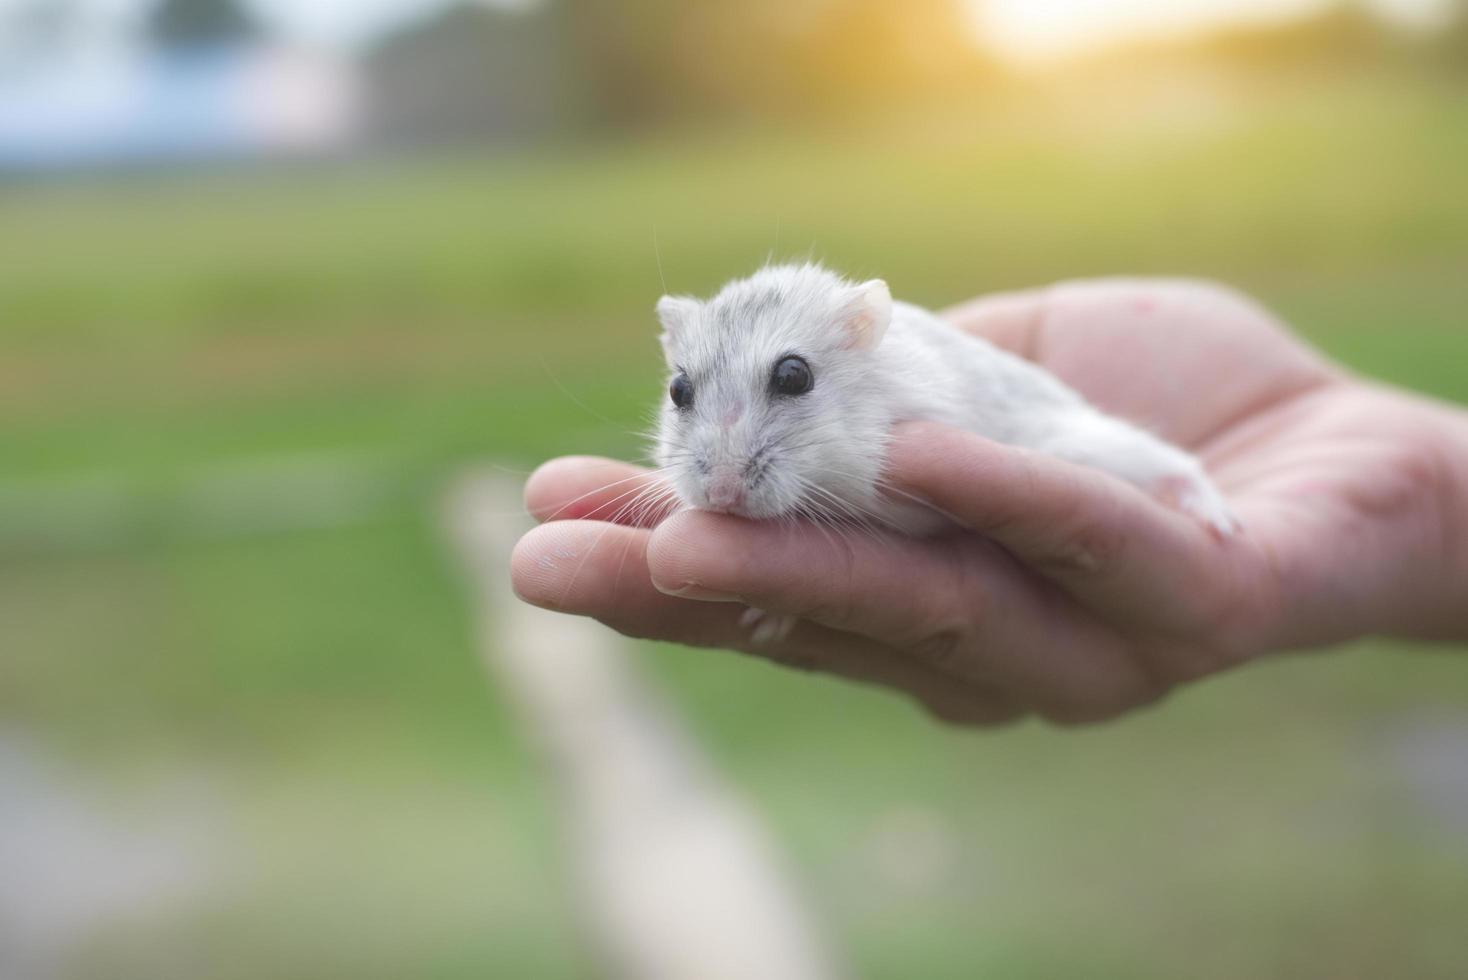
<point x="886" y="486"/>
<point x="645" y="500"/>
<point x="601" y="489"/>
<point x="861" y="516"/>
<point x="816" y="518"/>
<point x="644" y="504"/>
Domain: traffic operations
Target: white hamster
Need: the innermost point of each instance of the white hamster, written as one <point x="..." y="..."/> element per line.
<point x="786" y="385"/>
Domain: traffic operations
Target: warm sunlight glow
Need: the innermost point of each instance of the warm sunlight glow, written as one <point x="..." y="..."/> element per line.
<point x="1040" y="32"/>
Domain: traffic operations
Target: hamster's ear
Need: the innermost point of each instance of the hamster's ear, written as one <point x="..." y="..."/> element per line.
<point x="867" y="314"/>
<point x="677" y="314"/>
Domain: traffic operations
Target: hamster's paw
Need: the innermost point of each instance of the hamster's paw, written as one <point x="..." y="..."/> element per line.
<point x="1196" y="496"/>
<point x="766" y="628"/>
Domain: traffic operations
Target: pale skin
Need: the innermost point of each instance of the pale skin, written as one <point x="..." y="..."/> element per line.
<point x="1068" y="594"/>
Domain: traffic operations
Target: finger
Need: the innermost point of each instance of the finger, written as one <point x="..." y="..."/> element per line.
<point x="843" y="580"/>
<point x="958" y="604"/>
<point x="600" y="570"/>
<point x="593" y="488"/>
<point x="818" y="648"/>
<point x="1104" y="541"/>
<point x="1007" y="320"/>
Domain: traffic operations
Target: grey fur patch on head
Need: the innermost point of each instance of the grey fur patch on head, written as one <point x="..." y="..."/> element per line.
<point x="781" y="446"/>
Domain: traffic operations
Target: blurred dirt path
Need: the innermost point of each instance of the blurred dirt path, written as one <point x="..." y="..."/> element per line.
<point x="676" y="877"/>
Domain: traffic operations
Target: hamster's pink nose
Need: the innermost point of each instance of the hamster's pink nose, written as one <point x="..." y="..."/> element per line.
<point x="726" y="490"/>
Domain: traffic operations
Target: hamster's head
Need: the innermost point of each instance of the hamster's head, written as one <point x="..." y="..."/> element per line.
<point x="772" y="407"/>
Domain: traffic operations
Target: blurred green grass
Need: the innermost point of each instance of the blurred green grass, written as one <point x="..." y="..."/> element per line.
<point x="167" y="338"/>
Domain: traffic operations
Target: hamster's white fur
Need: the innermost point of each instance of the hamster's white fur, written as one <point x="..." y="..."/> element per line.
<point x="740" y="446"/>
<point x="875" y="363"/>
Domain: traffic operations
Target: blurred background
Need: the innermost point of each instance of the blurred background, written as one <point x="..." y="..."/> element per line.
<point x="271" y="273"/>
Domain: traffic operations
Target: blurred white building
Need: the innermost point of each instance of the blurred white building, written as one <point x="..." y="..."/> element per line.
<point x="210" y="103"/>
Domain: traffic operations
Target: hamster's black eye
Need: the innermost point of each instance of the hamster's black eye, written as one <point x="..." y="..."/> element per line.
<point x="792" y="377"/>
<point x="681" y="391"/>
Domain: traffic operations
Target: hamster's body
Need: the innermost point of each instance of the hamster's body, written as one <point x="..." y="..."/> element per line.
<point x="1008" y="399"/>
<point x="744" y="444"/>
<point x="973" y="384"/>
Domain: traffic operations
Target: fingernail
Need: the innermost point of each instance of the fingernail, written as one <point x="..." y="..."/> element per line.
<point x="692" y="590"/>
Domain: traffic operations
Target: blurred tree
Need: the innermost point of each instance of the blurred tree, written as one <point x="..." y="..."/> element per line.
<point x="475" y="71"/>
<point x="626" y="54"/>
<point x="1452" y="44"/>
<point x="192" y="22"/>
<point x="1343" y="35"/>
<point x="649" y="59"/>
<point x="470" y="73"/>
<point x="878" y="51"/>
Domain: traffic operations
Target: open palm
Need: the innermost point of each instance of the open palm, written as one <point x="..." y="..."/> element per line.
<point x="1069" y="594"/>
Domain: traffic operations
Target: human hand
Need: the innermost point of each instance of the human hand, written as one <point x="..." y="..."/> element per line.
<point x="1069" y="594"/>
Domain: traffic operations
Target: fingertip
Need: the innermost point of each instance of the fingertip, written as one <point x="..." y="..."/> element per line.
<point x="533" y="564"/>
<point x="673" y="550"/>
<point x="588" y="569"/>
<point x="696" y="554"/>
<point x="548" y="482"/>
<point x="567" y="488"/>
<point x="556" y="566"/>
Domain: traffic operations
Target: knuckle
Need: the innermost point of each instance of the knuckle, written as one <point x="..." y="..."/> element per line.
<point x="965" y="600"/>
<point x="1228" y="631"/>
<point x="1185" y="663"/>
<point x="1226" y="607"/>
<point x="831" y="610"/>
<point x="1157" y="666"/>
<point x="1150" y="690"/>
<point x="1156" y="671"/>
<point x="946" y="627"/>
<point x="941" y="649"/>
<point x="1078" y="715"/>
<point x="1090" y="547"/>
<point x="631" y="628"/>
<point x="831" y="602"/>
<point x="970" y="713"/>
<point x="1103" y="706"/>
<point x="968" y="600"/>
<point x="795" y="656"/>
